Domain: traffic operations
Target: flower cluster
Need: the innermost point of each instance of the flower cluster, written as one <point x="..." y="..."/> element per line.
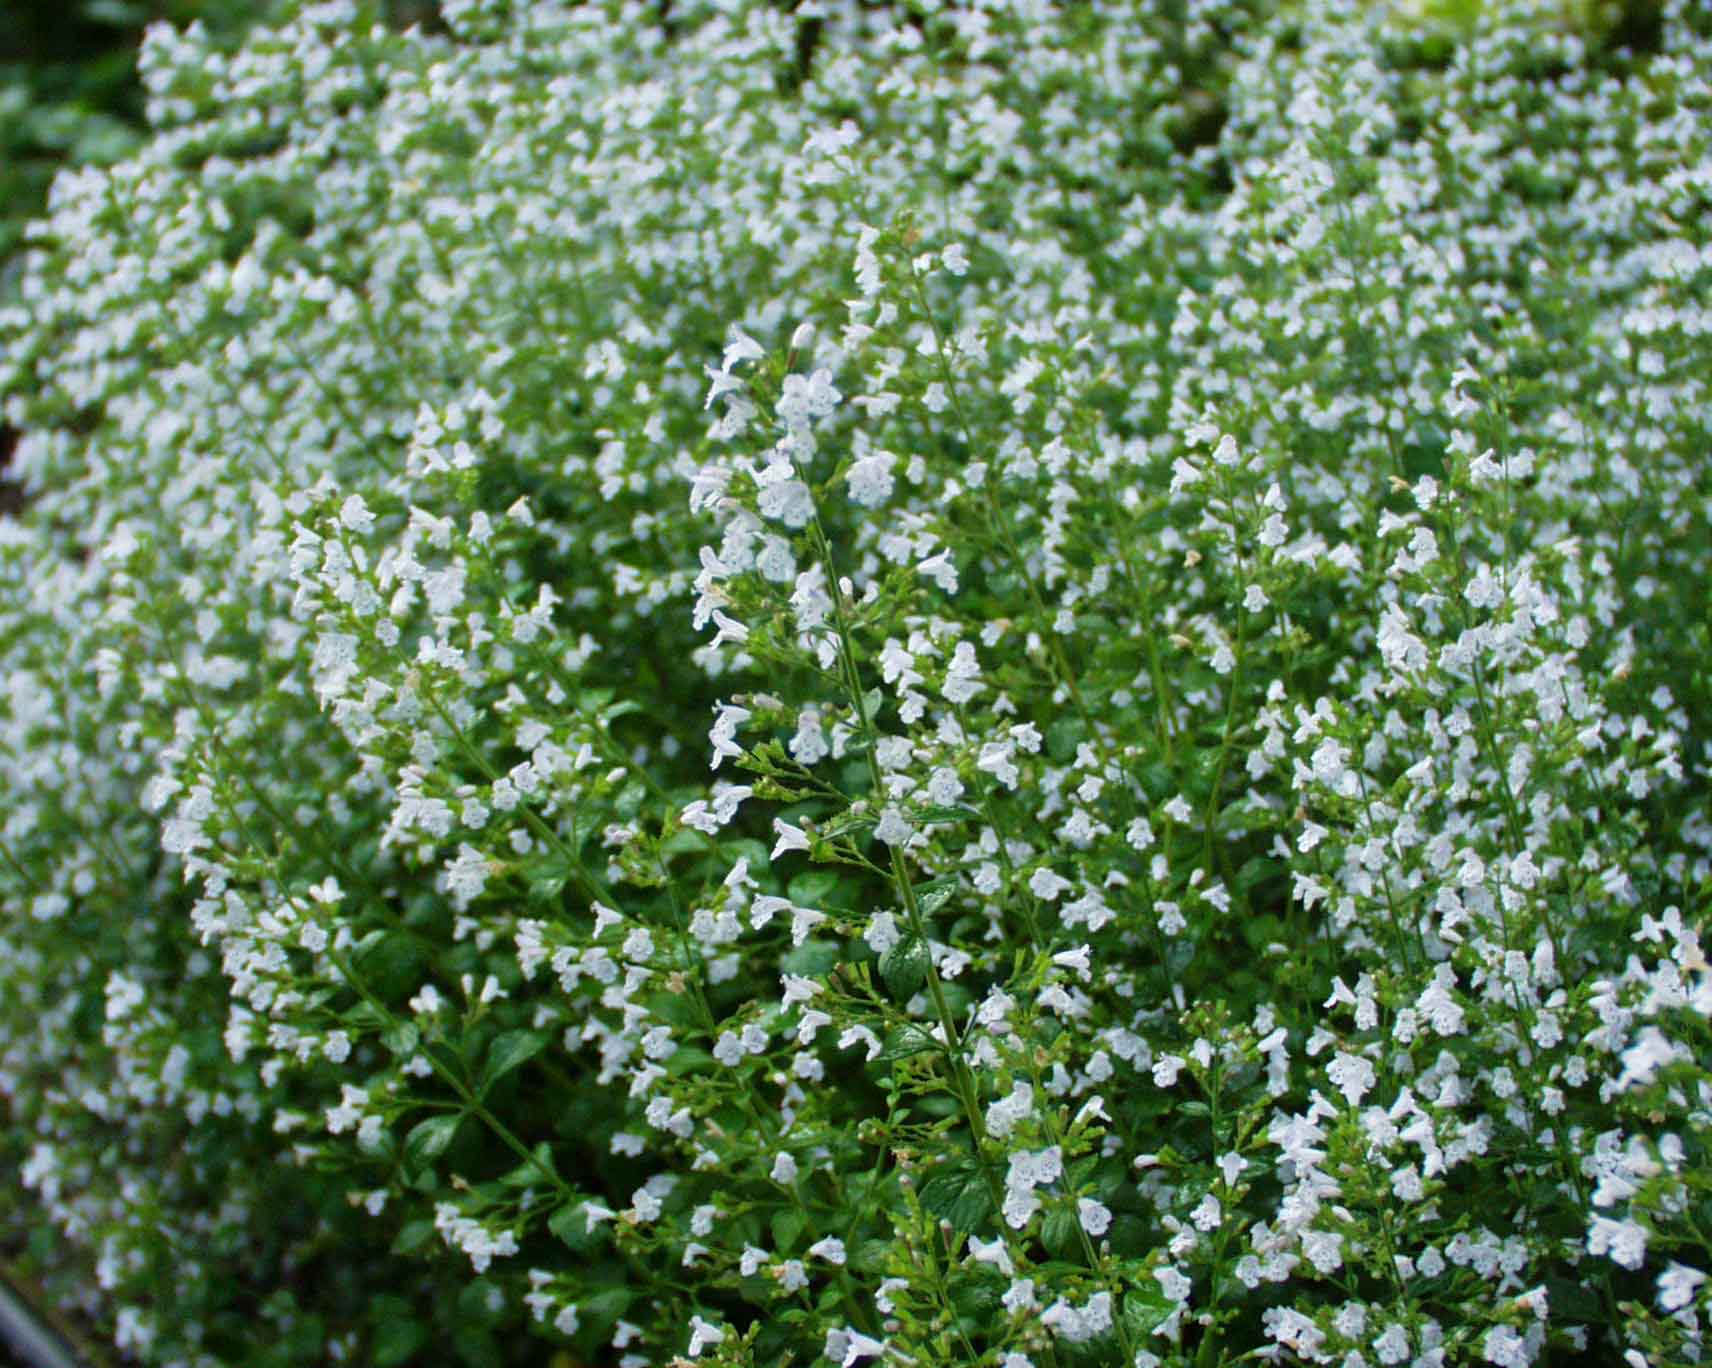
<point x="999" y="685"/>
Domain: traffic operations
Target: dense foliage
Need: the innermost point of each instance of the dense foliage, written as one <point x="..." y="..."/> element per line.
<point x="68" y="88"/>
<point x="1013" y="685"/>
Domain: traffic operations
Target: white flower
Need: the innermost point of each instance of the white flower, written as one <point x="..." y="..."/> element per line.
<point x="354" y="515"/>
<point x="1324" y="1249"/>
<point x="1048" y="884"/>
<point x="1173" y="1283"/>
<point x="790" y="838"/>
<point x="1352" y="1075"/>
<point x="702" y="1334"/>
<point x="1004" y="1114"/>
<point x="729" y="630"/>
<point x="1677" y="1286"/>
<point x="882" y="933"/>
<point x="1504" y="1347"/>
<point x="860" y="1346"/>
<point x="892" y="828"/>
<point x="1077" y="959"/>
<point x="993" y="1253"/>
<point x="870" y="479"/>
<point x="788" y="501"/>
<point x="724" y="732"/>
<point x="1625" y="1242"/>
<point x="831" y="1249"/>
<point x="466" y="876"/>
<point x="742" y="347"/>
<point x="1096" y="1218"/>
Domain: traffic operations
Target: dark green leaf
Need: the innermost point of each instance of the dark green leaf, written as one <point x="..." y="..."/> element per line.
<point x="813" y="958"/>
<point x="476" y="1304"/>
<point x="548" y="877"/>
<point x="958" y="1193"/>
<point x="813" y="888"/>
<point x="1058" y="1233"/>
<point x="953" y="812"/>
<point x="532" y="1174"/>
<point x="510" y="1050"/>
<point x="787" y="1226"/>
<point x="476" y="1348"/>
<point x="571" y="1224"/>
<point x="413" y="1237"/>
<point x="906" y="1040"/>
<point x="429" y="1139"/>
<point x="1145" y="1308"/>
<point x="904" y="967"/>
<point x="398" y="1341"/>
<point x="601" y="1311"/>
<point x="688" y="1059"/>
<point x="390" y="963"/>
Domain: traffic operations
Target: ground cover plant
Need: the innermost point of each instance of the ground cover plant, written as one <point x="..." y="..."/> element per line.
<point x="68" y="90"/>
<point x="1005" y="685"/>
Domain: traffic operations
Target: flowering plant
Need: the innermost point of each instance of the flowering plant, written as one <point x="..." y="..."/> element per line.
<point x="758" y="687"/>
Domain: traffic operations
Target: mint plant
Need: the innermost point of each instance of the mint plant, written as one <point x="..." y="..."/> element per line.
<point x="757" y="687"/>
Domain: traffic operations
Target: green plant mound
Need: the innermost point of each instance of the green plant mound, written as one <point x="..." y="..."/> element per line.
<point x="1014" y="685"/>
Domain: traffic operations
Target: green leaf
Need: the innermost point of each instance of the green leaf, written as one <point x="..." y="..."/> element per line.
<point x="688" y="1059"/>
<point x="813" y="888"/>
<point x="787" y="1227"/>
<point x="429" y="1139"/>
<point x="538" y="1170"/>
<point x="397" y="1341"/>
<point x="1145" y="1308"/>
<point x="476" y="1305"/>
<point x="1063" y="736"/>
<point x="849" y="823"/>
<point x="402" y="1038"/>
<point x="933" y="895"/>
<point x="510" y="1050"/>
<point x="871" y="1256"/>
<point x="958" y="1193"/>
<point x="476" y="1348"/>
<point x="904" y="967"/>
<point x="600" y="1312"/>
<point x="571" y="1224"/>
<point x="952" y="812"/>
<point x="1058" y="1233"/>
<point x="906" y="1040"/>
<point x="1255" y="871"/>
<point x="548" y="877"/>
<point x="413" y="1237"/>
<point x="813" y="958"/>
<point x="390" y="962"/>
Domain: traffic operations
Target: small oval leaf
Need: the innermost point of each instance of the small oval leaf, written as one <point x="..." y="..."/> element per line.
<point x="510" y="1050"/>
<point x="429" y="1139"/>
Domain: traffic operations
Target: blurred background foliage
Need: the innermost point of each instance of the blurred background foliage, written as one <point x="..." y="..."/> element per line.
<point x="69" y="93"/>
<point x="69" y="90"/>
